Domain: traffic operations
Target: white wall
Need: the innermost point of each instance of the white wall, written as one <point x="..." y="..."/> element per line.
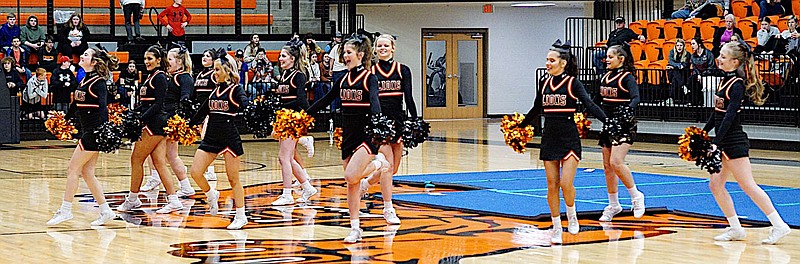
<point x="518" y="42"/>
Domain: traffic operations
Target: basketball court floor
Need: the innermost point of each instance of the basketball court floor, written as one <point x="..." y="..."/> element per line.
<point x="463" y="197"/>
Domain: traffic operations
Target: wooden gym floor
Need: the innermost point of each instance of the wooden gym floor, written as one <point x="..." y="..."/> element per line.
<point x="32" y="177"/>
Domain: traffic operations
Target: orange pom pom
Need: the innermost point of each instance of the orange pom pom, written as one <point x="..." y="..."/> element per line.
<point x="516" y="137"/>
<point x="337" y="137"/>
<point x="684" y="141"/>
<point x="291" y="124"/>
<point x="59" y="126"/>
<point x="116" y="113"/>
<point x="583" y="124"/>
<point x="178" y="130"/>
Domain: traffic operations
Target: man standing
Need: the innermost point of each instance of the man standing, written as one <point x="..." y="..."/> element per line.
<point x="620" y="35"/>
<point x="132" y="9"/>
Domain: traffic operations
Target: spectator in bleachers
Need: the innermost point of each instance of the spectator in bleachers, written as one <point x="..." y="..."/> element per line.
<point x="618" y="36"/>
<point x="337" y="39"/>
<point x="723" y="35"/>
<point x="13" y="81"/>
<point x="770" y="8"/>
<point x="324" y="83"/>
<point x="243" y="68"/>
<point x="677" y="69"/>
<point x="127" y="83"/>
<point x="48" y="55"/>
<point x="9" y="30"/>
<point x="251" y="50"/>
<point x="314" y="74"/>
<point x="711" y="8"/>
<point x="311" y="44"/>
<point x="702" y="61"/>
<point x="765" y="34"/>
<point x="73" y="37"/>
<point x="33" y="95"/>
<point x="792" y="36"/>
<point x="32" y="36"/>
<point x="63" y="83"/>
<point x="132" y="10"/>
<point x="686" y="10"/>
<point x="20" y="57"/>
<point x="262" y="74"/>
<point x="176" y="18"/>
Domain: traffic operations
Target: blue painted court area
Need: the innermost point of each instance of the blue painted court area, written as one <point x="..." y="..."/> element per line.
<point x="524" y="193"/>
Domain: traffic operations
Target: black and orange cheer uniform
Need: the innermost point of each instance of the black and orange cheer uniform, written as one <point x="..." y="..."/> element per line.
<point x="180" y="88"/>
<point x="204" y="84"/>
<point x="358" y="90"/>
<point x="557" y="102"/>
<point x="221" y="107"/>
<point x="617" y="88"/>
<point x="394" y="85"/>
<point x="90" y="101"/>
<point x="726" y="121"/>
<point x="292" y="90"/>
<point x="152" y="92"/>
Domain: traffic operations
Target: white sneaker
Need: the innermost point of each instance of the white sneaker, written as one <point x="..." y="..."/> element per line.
<point x="284" y="200"/>
<point x="212" y="197"/>
<point x="170" y="207"/>
<point x="638" y="205"/>
<point x="296" y="183"/>
<point x="573" y="227"/>
<point x="60" y="217"/>
<point x="556" y="236"/>
<point x="127" y="205"/>
<point x="391" y="216"/>
<point x="363" y="187"/>
<point x="354" y="236"/>
<point x="151" y="184"/>
<point x="104" y="217"/>
<point x="384" y="163"/>
<point x="210" y="175"/>
<point x="308" y="143"/>
<point x="609" y="212"/>
<point x="776" y="233"/>
<point x="185" y="191"/>
<point x="731" y="234"/>
<point x="238" y="223"/>
<point x="305" y="195"/>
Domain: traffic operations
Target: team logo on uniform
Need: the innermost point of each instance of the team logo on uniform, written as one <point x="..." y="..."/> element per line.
<point x="314" y="232"/>
<point x="80" y="95"/>
<point x="606" y="91"/>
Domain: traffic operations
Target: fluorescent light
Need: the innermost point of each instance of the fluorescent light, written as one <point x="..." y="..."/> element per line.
<point x="533" y="4"/>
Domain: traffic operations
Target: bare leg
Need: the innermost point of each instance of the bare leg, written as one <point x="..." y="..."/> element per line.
<point x="76" y="164"/>
<point x="159" y="156"/>
<point x="143" y="148"/>
<point x="91" y="180"/>
<point x="568" y="170"/>
<point x="200" y="163"/>
<point x="297" y="168"/>
<point x="743" y="172"/>
<point x="551" y="170"/>
<point x="232" y="170"/>
<point x="622" y="171"/>
<point x="174" y="160"/>
<point x="285" y="157"/>
<point x="717" y="186"/>
<point x="612" y="181"/>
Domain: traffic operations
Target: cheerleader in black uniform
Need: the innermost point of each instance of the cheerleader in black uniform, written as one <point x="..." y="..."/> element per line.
<point x="221" y="137"/>
<point x="617" y="88"/>
<point x="153" y="91"/>
<point x="741" y="79"/>
<point x="358" y="90"/>
<point x="204" y="83"/>
<point x="561" y="143"/>
<point x="291" y="89"/>
<point x="90" y="101"/>
<point x="394" y="85"/>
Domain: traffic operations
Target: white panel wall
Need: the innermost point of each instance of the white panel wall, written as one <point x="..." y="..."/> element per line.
<point x="518" y="42"/>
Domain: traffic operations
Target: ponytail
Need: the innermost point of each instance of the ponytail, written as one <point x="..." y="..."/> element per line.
<point x="753" y="86"/>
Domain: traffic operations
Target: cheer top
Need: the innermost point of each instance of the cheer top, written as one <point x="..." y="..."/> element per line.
<point x="394" y="85"/>
<point x="224" y="102"/>
<point x="618" y="87"/>
<point x="292" y="90"/>
<point x="728" y="101"/>
<point x="180" y="88"/>
<point x="153" y="91"/>
<point x="358" y="90"/>
<point x="90" y="100"/>
<point x="559" y="97"/>
<point x="204" y="83"/>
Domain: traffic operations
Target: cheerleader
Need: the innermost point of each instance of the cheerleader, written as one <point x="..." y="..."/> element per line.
<point x="221" y="137"/>
<point x="291" y="89"/>
<point x="90" y="101"/>
<point x="179" y="90"/>
<point x="153" y="92"/>
<point x="394" y="85"/>
<point x="358" y="90"/>
<point x="204" y="83"/>
<point x="561" y="143"/>
<point x="618" y="88"/>
<point x="741" y="79"/>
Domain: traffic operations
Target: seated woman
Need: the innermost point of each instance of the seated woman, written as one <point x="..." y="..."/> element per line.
<point x="677" y="70"/>
<point x="766" y="42"/>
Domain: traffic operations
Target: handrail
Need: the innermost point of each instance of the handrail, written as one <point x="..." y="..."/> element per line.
<point x="156" y="26"/>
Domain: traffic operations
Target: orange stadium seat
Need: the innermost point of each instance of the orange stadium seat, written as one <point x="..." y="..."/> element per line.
<point x="668" y="46"/>
<point x="224" y="4"/>
<point x="653" y="49"/>
<point x="115" y="75"/>
<point x="672" y="28"/>
<point x="272" y="55"/>
<point x="753" y="42"/>
<point x="690" y="28"/>
<point x="796" y="7"/>
<point x="748" y="28"/>
<point x="640" y="71"/>
<point x="655" y="70"/>
<point x="739" y="8"/>
<point x="638" y="26"/>
<point x="754" y="6"/>
<point x="123" y="56"/>
<point x="655" y="28"/>
<point x="783" y="23"/>
<point x="709" y="44"/>
<point x="708" y="26"/>
<point x="636" y="49"/>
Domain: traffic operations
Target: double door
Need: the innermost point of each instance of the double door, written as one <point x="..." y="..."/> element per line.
<point x="454" y="77"/>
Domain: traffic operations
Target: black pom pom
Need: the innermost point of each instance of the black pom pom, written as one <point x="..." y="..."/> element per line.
<point x="380" y="129"/>
<point x="711" y="162"/>
<point x="132" y="126"/>
<point x="259" y="115"/>
<point x="109" y="137"/>
<point x="186" y="109"/>
<point x="415" y="131"/>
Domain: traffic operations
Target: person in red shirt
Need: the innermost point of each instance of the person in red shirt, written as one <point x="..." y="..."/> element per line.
<point x="175" y="17"/>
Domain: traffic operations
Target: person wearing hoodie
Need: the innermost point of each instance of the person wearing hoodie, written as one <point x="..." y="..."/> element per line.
<point x="32" y="36"/>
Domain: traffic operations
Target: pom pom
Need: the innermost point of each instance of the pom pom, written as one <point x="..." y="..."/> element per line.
<point x="415" y="131"/>
<point x="109" y="137"/>
<point x="516" y="137"/>
<point x="380" y="129"/>
<point x="116" y="113"/>
<point x="132" y="125"/>
<point x="260" y="115"/>
<point x="291" y="124"/>
<point x="337" y="137"/>
<point x="186" y="109"/>
<point x="695" y="145"/>
<point x="59" y="126"/>
<point x="620" y="128"/>
<point x="583" y="124"/>
<point x="178" y="130"/>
